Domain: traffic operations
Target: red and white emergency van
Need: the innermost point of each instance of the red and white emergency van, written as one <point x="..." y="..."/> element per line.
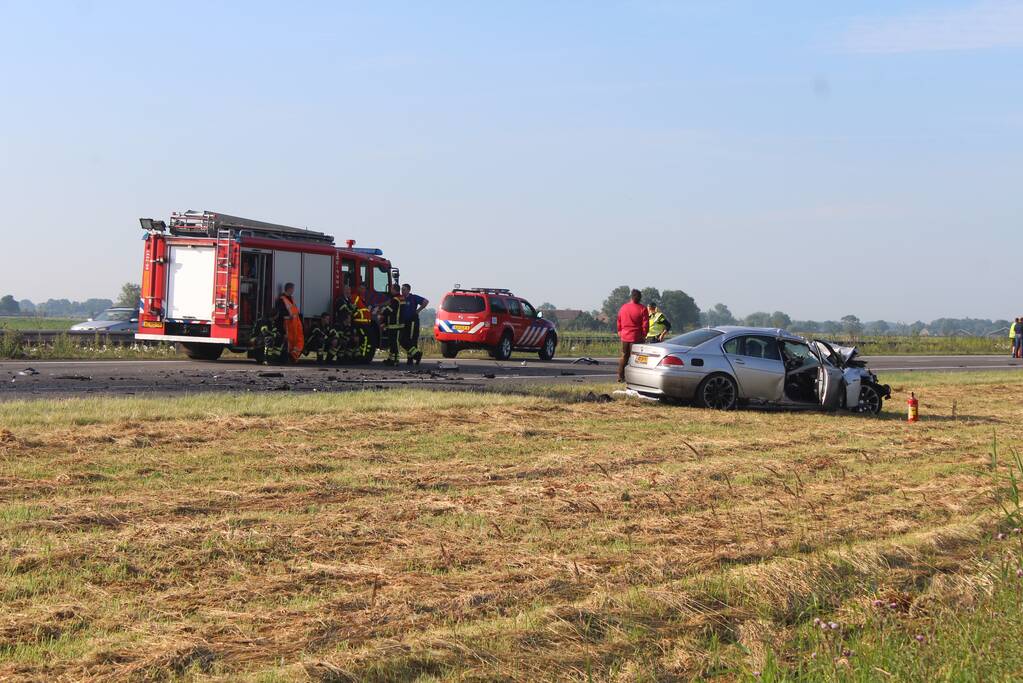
<point x="208" y="278"/>
<point x="495" y="320"/>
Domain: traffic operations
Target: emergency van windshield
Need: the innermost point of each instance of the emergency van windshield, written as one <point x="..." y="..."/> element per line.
<point x="463" y="303"/>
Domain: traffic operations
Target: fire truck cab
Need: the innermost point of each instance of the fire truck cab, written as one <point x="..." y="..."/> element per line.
<point x="209" y="278"/>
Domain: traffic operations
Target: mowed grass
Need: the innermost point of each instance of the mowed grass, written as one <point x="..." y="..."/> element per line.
<point x="410" y="535"/>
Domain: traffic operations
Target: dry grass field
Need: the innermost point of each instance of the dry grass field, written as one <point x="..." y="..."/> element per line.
<point x="456" y="536"/>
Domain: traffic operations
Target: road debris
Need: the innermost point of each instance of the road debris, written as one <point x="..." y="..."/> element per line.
<point x="270" y="374"/>
<point x="587" y="360"/>
<point x="28" y="371"/>
<point x="632" y="393"/>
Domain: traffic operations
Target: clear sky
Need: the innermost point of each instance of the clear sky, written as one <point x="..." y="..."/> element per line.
<point x="819" y="158"/>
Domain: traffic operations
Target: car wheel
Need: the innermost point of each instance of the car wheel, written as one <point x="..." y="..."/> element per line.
<point x="550" y="343"/>
<point x="870" y="400"/>
<point x="203" y="351"/>
<point x="719" y="392"/>
<point x="503" y="351"/>
<point x="448" y="349"/>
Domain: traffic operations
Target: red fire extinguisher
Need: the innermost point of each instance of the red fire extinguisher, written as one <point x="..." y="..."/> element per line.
<point x="914" y="408"/>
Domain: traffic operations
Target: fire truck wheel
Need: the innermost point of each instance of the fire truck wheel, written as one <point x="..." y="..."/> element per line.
<point x="550" y="343"/>
<point x="448" y="349"/>
<point x="503" y="350"/>
<point x="203" y="351"/>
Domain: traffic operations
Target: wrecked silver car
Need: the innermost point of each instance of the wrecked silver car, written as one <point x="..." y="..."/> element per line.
<point x="726" y="367"/>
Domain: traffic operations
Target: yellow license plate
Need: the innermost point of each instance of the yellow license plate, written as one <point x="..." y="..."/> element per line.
<point x="461" y="328"/>
<point x="151" y="324"/>
<point x="642" y="359"/>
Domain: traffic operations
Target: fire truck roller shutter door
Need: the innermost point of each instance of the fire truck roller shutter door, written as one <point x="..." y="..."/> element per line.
<point x="317" y="285"/>
<point x="288" y="268"/>
<point x="190" y="283"/>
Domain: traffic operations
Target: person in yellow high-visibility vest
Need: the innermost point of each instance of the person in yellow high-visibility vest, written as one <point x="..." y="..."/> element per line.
<point x="660" y="326"/>
<point x="1016" y="337"/>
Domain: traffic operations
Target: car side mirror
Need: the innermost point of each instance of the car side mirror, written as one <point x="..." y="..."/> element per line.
<point x="134" y="320"/>
<point x="539" y="314"/>
<point x="89" y="320"/>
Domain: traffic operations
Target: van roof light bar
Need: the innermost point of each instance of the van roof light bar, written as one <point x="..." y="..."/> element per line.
<point x="484" y="290"/>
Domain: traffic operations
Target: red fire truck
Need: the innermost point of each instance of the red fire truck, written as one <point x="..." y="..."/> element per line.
<point x="208" y="278"/>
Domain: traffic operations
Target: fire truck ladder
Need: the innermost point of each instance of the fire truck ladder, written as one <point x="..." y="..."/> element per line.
<point x="222" y="299"/>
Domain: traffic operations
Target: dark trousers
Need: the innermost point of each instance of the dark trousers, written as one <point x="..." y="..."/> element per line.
<point x="1017" y="346"/>
<point x="410" y="336"/>
<point x="392" y="332"/>
<point x="624" y="360"/>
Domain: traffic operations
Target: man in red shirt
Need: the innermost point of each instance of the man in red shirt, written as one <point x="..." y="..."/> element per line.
<point x="633" y="323"/>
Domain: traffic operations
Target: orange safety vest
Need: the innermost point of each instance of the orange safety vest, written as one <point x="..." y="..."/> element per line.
<point x="293" y="329"/>
<point x="361" y="315"/>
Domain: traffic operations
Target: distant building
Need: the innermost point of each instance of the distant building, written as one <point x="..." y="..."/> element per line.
<point x="562" y="316"/>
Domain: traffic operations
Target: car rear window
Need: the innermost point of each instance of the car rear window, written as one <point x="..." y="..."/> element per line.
<point x="463" y="303"/>
<point x="694" y="338"/>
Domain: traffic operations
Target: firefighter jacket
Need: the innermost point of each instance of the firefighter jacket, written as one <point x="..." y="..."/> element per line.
<point x="320" y="336"/>
<point x="344" y="312"/>
<point x="391" y="313"/>
<point x="658" y="325"/>
<point x="360" y="314"/>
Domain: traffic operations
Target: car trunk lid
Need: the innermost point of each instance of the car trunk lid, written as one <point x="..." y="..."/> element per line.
<point x="647" y="355"/>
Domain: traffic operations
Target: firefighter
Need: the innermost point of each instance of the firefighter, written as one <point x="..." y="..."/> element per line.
<point x="267" y="342"/>
<point x="390" y="325"/>
<point x="411" y="306"/>
<point x="323" y="340"/>
<point x="660" y="326"/>
<point x="361" y="323"/>
<point x="344" y="312"/>
<point x="289" y="323"/>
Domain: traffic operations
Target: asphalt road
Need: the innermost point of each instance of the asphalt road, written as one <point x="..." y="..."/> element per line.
<point x="41" y="379"/>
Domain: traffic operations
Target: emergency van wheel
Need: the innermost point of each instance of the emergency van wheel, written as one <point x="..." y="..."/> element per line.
<point x="448" y="349"/>
<point x="550" y="343"/>
<point x="503" y="350"/>
<point x="203" y="351"/>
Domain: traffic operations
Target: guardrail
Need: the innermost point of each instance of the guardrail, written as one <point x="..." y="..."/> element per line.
<point x="48" y="337"/>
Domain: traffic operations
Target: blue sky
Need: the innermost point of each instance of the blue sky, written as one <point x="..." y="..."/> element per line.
<point x="793" y="156"/>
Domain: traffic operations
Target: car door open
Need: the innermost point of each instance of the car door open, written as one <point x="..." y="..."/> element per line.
<point x="829" y="380"/>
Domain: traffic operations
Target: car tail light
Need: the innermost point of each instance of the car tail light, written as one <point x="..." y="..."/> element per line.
<point x="671" y="360"/>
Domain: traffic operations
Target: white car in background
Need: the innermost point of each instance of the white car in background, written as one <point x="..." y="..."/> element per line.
<point x="110" y="320"/>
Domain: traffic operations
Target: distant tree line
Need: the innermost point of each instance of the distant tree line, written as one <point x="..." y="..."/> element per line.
<point x="684" y="314"/>
<point x="65" y="308"/>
